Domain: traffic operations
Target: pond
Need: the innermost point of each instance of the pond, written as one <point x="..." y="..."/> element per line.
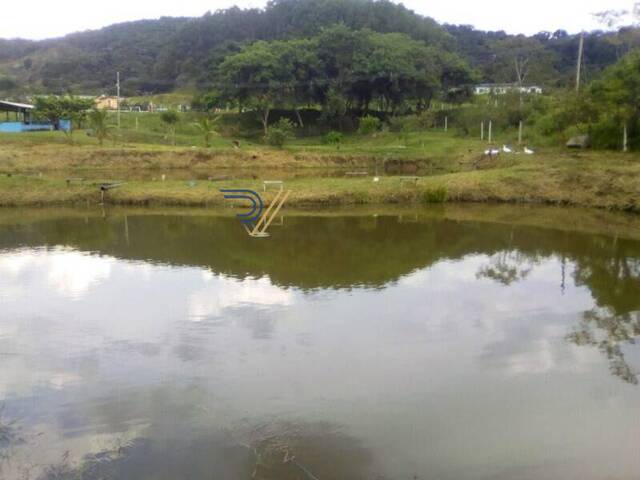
<point x="445" y="343"/>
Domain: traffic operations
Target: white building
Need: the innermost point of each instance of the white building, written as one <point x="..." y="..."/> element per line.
<point x="504" y="88"/>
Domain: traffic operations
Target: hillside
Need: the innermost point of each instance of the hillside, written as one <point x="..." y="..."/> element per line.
<point x="162" y="55"/>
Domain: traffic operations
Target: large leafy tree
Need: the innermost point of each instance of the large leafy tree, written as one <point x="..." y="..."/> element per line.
<point x="265" y="75"/>
<point x="390" y="67"/>
<point x="54" y="108"/>
<point x="521" y="60"/>
<point x="342" y="70"/>
<point x="618" y="94"/>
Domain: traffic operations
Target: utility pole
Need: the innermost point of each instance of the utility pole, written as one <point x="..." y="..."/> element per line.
<point x="579" y="68"/>
<point x="118" y="96"/>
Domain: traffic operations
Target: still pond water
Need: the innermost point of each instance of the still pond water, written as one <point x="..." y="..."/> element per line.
<point x="433" y="344"/>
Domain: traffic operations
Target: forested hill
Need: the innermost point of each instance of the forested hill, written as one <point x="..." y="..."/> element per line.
<point x="170" y="53"/>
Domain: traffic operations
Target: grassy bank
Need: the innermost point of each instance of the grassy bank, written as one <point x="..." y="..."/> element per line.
<point x="434" y="152"/>
<point x="33" y="169"/>
<point x="588" y="182"/>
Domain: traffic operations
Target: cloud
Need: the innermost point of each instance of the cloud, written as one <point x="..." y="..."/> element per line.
<point x="69" y="272"/>
<point x="74" y="273"/>
<point x="225" y="293"/>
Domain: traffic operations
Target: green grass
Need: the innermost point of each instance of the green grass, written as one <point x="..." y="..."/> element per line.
<point x="148" y="130"/>
<point x="580" y="182"/>
<point x="453" y="168"/>
<point x="148" y="146"/>
<point x="416" y="144"/>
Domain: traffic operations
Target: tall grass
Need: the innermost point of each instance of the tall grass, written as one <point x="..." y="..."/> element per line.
<point x="437" y="194"/>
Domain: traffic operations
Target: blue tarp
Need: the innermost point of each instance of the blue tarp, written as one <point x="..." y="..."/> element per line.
<point x="19" y="127"/>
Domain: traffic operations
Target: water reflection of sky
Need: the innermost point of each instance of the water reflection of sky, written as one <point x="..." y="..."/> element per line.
<point x="446" y="372"/>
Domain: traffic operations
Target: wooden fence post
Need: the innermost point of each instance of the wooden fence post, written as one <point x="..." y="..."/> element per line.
<point x="520" y="133"/>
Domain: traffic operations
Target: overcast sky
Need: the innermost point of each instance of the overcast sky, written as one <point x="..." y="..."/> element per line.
<point x="39" y="19"/>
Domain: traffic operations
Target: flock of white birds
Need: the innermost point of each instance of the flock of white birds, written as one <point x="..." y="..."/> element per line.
<point x="507" y="149"/>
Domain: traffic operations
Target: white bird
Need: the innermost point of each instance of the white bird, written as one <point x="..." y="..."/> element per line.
<point x="506" y="149"/>
<point x="528" y="151"/>
<point x="376" y="179"/>
<point x="492" y="152"/>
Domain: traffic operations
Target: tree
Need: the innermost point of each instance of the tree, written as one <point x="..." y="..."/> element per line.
<point x="336" y="51"/>
<point x="54" y="109"/>
<point x="170" y="118"/>
<point x="300" y="58"/>
<point x="521" y="59"/>
<point x="98" y="122"/>
<point x="206" y="127"/>
<point x="391" y="69"/>
<point x="267" y="75"/>
<point x="342" y="70"/>
<point x="618" y="93"/>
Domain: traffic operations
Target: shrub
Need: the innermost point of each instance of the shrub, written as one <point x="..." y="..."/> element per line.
<point x="98" y="121"/>
<point x="361" y="198"/>
<point x="334" y="138"/>
<point x="468" y="119"/>
<point x="607" y="133"/>
<point x="170" y="118"/>
<point x="436" y="195"/>
<point x="369" y="125"/>
<point x="280" y="132"/>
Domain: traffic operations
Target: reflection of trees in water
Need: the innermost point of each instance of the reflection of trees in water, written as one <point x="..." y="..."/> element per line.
<point x="609" y="332"/>
<point x="610" y="269"/>
<point x="508" y="266"/>
<point x="612" y="274"/>
<point x="350" y="252"/>
<point x="613" y="277"/>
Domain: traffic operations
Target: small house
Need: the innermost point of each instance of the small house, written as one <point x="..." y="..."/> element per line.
<point x="104" y="102"/>
<point x="504" y="88"/>
<point x="18" y="117"/>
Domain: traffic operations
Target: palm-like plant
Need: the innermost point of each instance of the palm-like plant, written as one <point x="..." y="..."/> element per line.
<point x="98" y="121"/>
<point x="206" y="127"/>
